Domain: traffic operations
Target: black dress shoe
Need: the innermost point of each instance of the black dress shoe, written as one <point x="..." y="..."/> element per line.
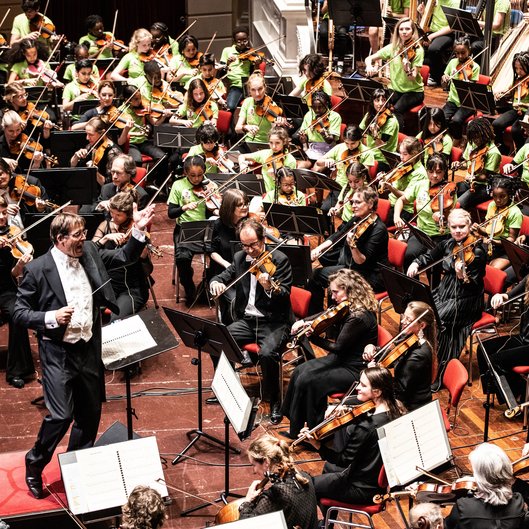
<point x="275" y="414"/>
<point x="16" y="382"/>
<point x="212" y="400"/>
<point x="287" y="434"/>
<point x="35" y="487"/>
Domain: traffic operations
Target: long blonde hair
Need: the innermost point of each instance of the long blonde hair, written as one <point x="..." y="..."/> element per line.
<point x="395" y="39"/>
<point x="359" y="292"/>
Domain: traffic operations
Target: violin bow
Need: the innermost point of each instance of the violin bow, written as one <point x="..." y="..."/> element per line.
<point x="186" y="30"/>
<point x="413" y="44"/>
<point x="172" y="487"/>
<point x="256" y="263"/>
<point x="345" y="160"/>
<point x="384" y="107"/>
<point x="158" y="162"/>
<point x="64" y="507"/>
<point x="396" y="168"/>
<point x="209" y="45"/>
<point x="102" y="76"/>
<point x="47" y="63"/>
<point x="5" y="16"/>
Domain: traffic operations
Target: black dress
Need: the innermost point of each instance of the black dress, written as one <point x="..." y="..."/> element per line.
<point x="474" y="513"/>
<point x="458" y="303"/>
<point x="298" y="502"/>
<point x="352" y="468"/>
<point x="311" y="382"/>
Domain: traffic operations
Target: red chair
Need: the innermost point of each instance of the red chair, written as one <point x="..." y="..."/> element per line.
<point x="373" y="170"/>
<point x="401" y="136"/>
<point x="454" y="380"/>
<point x="413" y="113"/>
<point x="494" y="284"/>
<point x="383" y="209"/>
<point x="483" y="79"/>
<point x="504" y="161"/>
<point x="524" y="229"/>
<point x="343" y="126"/>
<point x="523" y="371"/>
<point x="140" y="176"/>
<point x="396" y="253"/>
<point x="224" y="121"/>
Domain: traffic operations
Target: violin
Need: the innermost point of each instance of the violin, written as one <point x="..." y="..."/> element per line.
<point x="321" y="125"/>
<point x="165" y="96"/>
<point x="35" y="116"/>
<point x="117" y="45"/>
<point x="495" y="225"/>
<point x="29" y="148"/>
<point x="520" y="466"/>
<point x="464" y="70"/>
<point x="407" y="57"/>
<point x="434" y="146"/>
<point x="275" y="162"/>
<point x="205" y="112"/>
<point x="288" y="200"/>
<point x="320" y="324"/>
<point x="442" y="200"/>
<point x="195" y="61"/>
<point x="313" y="85"/>
<point x="381" y="120"/>
<point x="253" y="55"/>
<point x="115" y="117"/>
<point x="89" y="88"/>
<point x="268" y="109"/>
<point x="19" y="246"/>
<point x="207" y="191"/>
<point x="463" y="252"/>
<point x="335" y="421"/>
<point x="216" y="156"/>
<point x="361" y="227"/>
<point x="477" y="160"/>
<point x="99" y="152"/>
<point x="264" y="265"/>
<point x="394" y="175"/>
<point x="46" y="29"/>
<point x="400" y="350"/>
<point x="28" y="192"/>
<point x="47" y="75"/>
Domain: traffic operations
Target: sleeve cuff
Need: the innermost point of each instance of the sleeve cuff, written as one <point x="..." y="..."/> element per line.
<point x="49" y="320"/>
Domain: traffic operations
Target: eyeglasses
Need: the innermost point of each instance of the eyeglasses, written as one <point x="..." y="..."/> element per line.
<point x="251" y="245"/>
<point x="22" y="96"/>
<point x="78" y="234"/>
<point x="357" y="202"/>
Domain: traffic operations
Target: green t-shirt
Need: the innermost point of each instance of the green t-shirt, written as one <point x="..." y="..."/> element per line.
<point x="132" y="63"/>
<point x="268" y="173"/>
<point x="414" y="188"/>
<point x="21" y="27"/>
<point x="450" y="70"/>
<point x="298" y="200"/>
<point x="335" y="122"/>
<point x="425" y="220"/>
<point x="397" y="6"/>
<point x="136" y="136"/>
<point x="447" y="146"/>
<point x="501" y="6"/>
<point x="399" y="80"/>
<point x="523" y="156"/>
<point x="198" y="150"/>
<point x="492" y="158"/>
<point x="237" y="69"/>
<point x="182" y="194"/>
<point x="418" y="173"/>
<point x="326" y="87"/>
<point x="189" y="113"/>
<point x="439" y="21"/>
<point x="94" y="48"/>
<point x="336" y="153"/>
<point x="251" y="118"/>
<point x="513" y="220"/>
<point x="389" y="134"/>
<point x="179" y="64"/>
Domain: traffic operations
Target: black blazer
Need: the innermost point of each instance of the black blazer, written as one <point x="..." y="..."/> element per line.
<point x="275" y="307"/>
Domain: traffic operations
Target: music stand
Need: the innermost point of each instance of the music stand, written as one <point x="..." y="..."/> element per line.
<point x="300" y="262"/>
<point x="403" y="289"/>
<point x="518" y="256"/>
<point x="80" y="107"/>
<point x="170" y="137"/>
<point x="293" y="107"/>
<point x="462" y="21"/>
<point x="390" y="28"/>
<point x="78" y="184"/>
<point x="475" y="96"/>
<point x="361" y="90"/>
<point x="297" y="220"/>
<point x="422" y="237"/>
<point x="44" y="92"/>
<point x="307" y="179"/>
<point x="254" y="146"/>
<point x="393" y="158"/>
<point x="213" y="338"/>
<point x="164" y="339"/>
<point x="252" y="184"/>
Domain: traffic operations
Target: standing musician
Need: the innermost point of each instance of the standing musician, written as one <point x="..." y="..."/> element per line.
<point x="95" y="33"/>
<point x="106" y="93"/>
<point x="26" y="25"/>
<point x="364" y="247"/>
<point x="459" y="296"/>
<point x="353" y="464"/>
<point x="102" y="151"/>
<point x="434" y="136"/>
<point x="481" y="158"/>
<point x="353" y="324"/>
<point x="271" y="159"/>
<point x="60" y="296"/>
<point x="380" y="126"/>
<point x="493" y="504"/>
<point x="287" y="489"/>
<point x="19" y="360"/>
<point x="416" y="368"/>
<point x="207" y="145"/>
<point x="357" y="177"/>
<point x="132" y="62"/>
<point x="129" y="282"/>
<point x="504" y="221"/>
<point x="312" y="70"/>
<point x="262" y="302"/>
<point x="198" y="107"/>
<point x="255" y="119"/>
<point x="405" y="68"/>
<point x="81" y="88"/>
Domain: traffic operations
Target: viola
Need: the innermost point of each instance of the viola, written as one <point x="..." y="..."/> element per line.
<point x="28" y="192"/>
<point x="117" y="45"/>
<point x="264" y="265"/>
<point x="29" y="148"/>
<point x="400" y="350"/>
<point x="46" y="29"/>
<point x="19" y="246"/>
<point x="442" y="200"/>
<point x="520" y="466"/>
<point x="268" y="109"/>
<point x="395" y="175"/>
<point x="207" y="191"/>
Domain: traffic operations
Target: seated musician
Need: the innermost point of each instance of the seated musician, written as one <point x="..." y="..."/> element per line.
<point x="156" y="90"/>
<point x="106" y="94"/>
<point x="426" y="516"/>
<point x="129" y="282"/>
<point x="285" y="489"/>
<point x="162" y="43"/>
<point x="82" y="88"/>
<point x="23" y="24"/>
<point x="122" y="171"/>
<point x="184" y="64"/>
<point x="198" y="107"/>
<point x="502" y="221"/>
<point x="481" y="159"/>
<point x="353" y="325"/>
<point x="131" y="63"/>
<point x="285" y="191"/>
<point x="363" y="244"/>
<point x="80" y="53"/>
<point x="435" y="136"/>
<point x="416" y="368"/>
<point x="271" y="159"/>
<point x="312" y="70"/>
<point x="144" y="508"/>
<point x="353" y="463"/>
<point x="187" y="203"/>
<point x="493" y="503"/>
<point x="19" y="360"/>
<point x="207" y="145"/>
<point x="380" y="126"/>
<point x="357" y="177"/>
<point x="462" y="68"/>
<point x="208" y="74"/>
<point x="262" y="306"/>
<point x="253" y="118"/>
<point x="95" y="31"/>
<point x="99" y="152"/>
<point x="459" y="296"/>
<point x="520" y="159"/>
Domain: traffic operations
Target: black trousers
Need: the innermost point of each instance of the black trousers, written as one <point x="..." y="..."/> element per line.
<point x="468" y="199"/>
<point x="456" y="118"/>
<point x="510" y="117"/>
<point x="437" y="55"/>
<point x="403" y="102"/>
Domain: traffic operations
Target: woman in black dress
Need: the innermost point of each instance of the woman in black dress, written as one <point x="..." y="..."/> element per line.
<point x="287" y="489"/>
<point x="416" y="368"/>
<point x="459" y="296"/>
<point x="311" y="382"/>
<point x="353" y="464"/>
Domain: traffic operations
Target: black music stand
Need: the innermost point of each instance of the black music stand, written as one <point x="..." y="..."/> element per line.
<point x="170" y="137"/>
<point x="252" y="184"/>
<point x="164" y="339"/>
<point x="297" y="220"/>
<point x="518" y="256"/>
<point x="361" y="90"/>
<point x="422" y="237"/>
<point x="475" y="96"/>
<point x="307" y="179"/>
<point x="462" y="21"/>
<point x="78" y="184"/>
<point x="293" y="107"/>
<point x="393" y="158"/>
<point x="80" y="107"/>
<point x="64" y="143"/>
<point x="213" y="338"/>
<point x="45" y="94"/>
<point x="390" y="28"/>
<point x="300" y="262"/>
<point x="403" y="289"/>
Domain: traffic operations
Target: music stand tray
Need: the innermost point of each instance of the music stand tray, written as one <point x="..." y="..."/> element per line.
<point x="252" y="184"/>
<point x="403" y="289"/>
<point x="393" y="158"/>
<point x="297" y="219"/>
<point x="462" y="21"/>
<point x="171" y="137"/>
<point x="422" y="237"/>
<point x="355" y="12"/>
<point x="361" y="90"/>
<point x="475" y="96"/>
<point x="307" y="179"/>
<point x="293" y="107"/>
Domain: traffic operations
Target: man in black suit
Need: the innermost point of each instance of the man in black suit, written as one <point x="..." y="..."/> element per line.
<point x="263" y="312"/>
<point x="60" y="297"/>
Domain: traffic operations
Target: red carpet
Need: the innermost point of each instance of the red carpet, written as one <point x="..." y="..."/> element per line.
<point x="15" y="499"/>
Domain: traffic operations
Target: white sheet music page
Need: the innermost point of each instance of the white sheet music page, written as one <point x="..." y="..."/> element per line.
<point x="273" y="520"/>
<point x="125" y="338"/>
<point x="416" y="439"/>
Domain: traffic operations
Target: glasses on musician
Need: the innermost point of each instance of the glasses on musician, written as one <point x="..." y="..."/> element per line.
<point x="78" y="234"/>
<point x="251" y="245"/>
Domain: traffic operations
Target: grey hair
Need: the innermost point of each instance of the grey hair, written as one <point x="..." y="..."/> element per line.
<point x="493" y="474"/>
<point x="426" y="516"/>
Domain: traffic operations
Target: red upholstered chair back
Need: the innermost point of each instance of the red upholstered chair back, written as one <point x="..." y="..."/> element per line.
<point x="300" y="300"/>
<point x="383" y="208"/>
<point x="223" y="121"/>
<point x="494" y="280"/>
<point x="396" y="253"/>
<point x="455" y="379"/>
<point x="382" y="478"/>
<point x="483" y="79"/>
<point x="425" y="73"/>
<point x="524" y="229"/>
<point x="140" y="173"/>
<point x="384" y="336"/>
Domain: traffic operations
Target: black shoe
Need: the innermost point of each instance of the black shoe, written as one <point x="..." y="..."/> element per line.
<point x="287" y="434"/>
<point x="34" y="481"/>
<point x="212" y="400"/>
<point x="16" y="382"/>
<point x="275" y="414"/>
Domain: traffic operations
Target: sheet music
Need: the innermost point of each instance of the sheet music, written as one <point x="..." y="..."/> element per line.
<point x="103" y="477"/>
<point x="125" y="338"/>
<point x="416" y="439"/>
<point x="274" y="520"/>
